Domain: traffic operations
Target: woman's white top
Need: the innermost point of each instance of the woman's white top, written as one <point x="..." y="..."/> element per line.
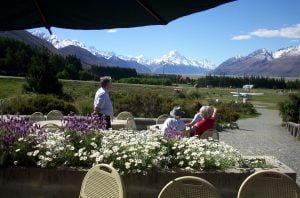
<point x="173" y="124"/>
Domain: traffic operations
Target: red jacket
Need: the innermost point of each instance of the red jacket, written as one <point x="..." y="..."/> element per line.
<point x="204" y="124"/>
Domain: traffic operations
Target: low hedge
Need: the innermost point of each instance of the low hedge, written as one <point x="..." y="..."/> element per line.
<point x="28" y="104"/>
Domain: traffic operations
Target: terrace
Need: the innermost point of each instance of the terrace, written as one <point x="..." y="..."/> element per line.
<point x="55" y="143"/>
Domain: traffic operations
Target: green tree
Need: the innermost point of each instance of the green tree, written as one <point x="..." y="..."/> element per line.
<point x="41" y="77"/>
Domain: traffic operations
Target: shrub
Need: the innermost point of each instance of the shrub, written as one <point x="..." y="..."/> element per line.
<point x="149" y="104"/>
<point x="229" y="112"/>
<point x="193" y="94"/>
<point x="28" y="104"/>
<point x="144" y="105"/>
<point x="290" y="109"/>
<point x="85" y="107"/>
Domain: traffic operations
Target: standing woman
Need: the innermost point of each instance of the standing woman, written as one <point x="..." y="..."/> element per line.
<point x="102" y="102"/>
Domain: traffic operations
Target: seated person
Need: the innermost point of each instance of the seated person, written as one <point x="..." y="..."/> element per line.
<point x="208" y="114"/>
<point x="196" y="107"/>
<point x="174" y="125"/>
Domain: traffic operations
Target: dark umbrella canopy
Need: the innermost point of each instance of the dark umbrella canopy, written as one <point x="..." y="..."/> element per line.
<point x="96" y="14"/>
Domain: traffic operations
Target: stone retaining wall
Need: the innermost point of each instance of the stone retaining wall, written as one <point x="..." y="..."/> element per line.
<point x="141" y="123"/>
<point x="66" y="183"/>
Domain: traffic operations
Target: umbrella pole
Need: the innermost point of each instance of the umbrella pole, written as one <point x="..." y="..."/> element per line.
<point x="152" y="12"/>
<point x="42" y="16"/>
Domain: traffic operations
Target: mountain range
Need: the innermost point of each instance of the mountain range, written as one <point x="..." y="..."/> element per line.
<point x="283" y="62"/>
<point x="170" y="63"/>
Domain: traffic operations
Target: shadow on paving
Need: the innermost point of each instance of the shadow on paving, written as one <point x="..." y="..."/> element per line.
<point x="264" y="135"/>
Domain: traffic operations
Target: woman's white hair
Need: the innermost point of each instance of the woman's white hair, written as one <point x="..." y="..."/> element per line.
<point x="206" y="112"/>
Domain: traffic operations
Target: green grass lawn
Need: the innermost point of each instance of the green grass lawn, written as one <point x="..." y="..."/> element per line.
<point x="83" y="92"/>
<point x="10" y="87"/>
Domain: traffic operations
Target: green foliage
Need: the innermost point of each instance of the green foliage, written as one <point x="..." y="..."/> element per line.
<point x="193" y="94"/>
<point x="14" y="57"/>
<point x="4" y="159"/>
<point x="257" y="81"/>
<point x="28" y="104"/>
<point x="158" y="79"/>
<point x="147" y="80"/>
<point x="85" y="107"/>
<point x="290" y="109"/>
<point x="115" y="72"/>
<point x="293" y="84"/>
<point x="230" y="111"/>
<point x="227" y="114"/>
<point x="148" y="104"/>
<point x="41" y="77"/>
<point x="255" y="163"/>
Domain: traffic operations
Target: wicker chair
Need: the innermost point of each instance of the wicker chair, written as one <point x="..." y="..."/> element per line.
<point x="37" y="116"/>
<point x="131" y="124"/>
<point x="269" y="184"/>
<point x="162" y="118"/>
<point x="51" y="127"/>
<point x="189" y="187"/>
<point x="55" y="115"/>
<point x="210" y="133"/>
<point x="102" y="181"/>
<point x="124" y="115"/>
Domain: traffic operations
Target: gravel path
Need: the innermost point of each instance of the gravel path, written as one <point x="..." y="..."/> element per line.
<point x="264" y="136"/>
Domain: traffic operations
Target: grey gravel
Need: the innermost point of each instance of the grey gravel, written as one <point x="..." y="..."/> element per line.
<point x="264" y="135"/>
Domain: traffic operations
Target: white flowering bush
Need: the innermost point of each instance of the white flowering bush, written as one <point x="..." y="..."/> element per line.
<point x="127" y="151"/>
<point x="130" y="152"/>
<point x="52" y="149"/>
<point x="202" y="154"/>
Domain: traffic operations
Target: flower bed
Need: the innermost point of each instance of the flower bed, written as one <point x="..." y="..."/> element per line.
<point x="83" y="143"/>
<point x="40" y="163"/>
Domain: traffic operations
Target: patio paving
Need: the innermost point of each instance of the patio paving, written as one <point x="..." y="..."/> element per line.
<point x="264" y="136"/>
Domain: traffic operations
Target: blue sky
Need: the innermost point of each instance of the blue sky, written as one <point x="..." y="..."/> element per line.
<point x="236" y="28"/>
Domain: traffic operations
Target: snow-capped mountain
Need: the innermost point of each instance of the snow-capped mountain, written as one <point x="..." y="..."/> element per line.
<point x="288" y="51"/>
<point x="234" y="59"/>
<point x="283" y="62"/>
<point x="89" y="55"/>
<point x="173" y="58"/>
<point x="61" y="43"/>
<point x="174" y="62"/>
<point x="144" y="60"/>
<point x="261" y="54"/>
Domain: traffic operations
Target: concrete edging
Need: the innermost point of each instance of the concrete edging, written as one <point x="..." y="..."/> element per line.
<point x="56" y="183"/>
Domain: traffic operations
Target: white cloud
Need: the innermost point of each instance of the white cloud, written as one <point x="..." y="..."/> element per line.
<point x="241" y="37"/>
<point x="111" y="30"/>
<point x="295" y="41"/>
<point x="286" y="32"/>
